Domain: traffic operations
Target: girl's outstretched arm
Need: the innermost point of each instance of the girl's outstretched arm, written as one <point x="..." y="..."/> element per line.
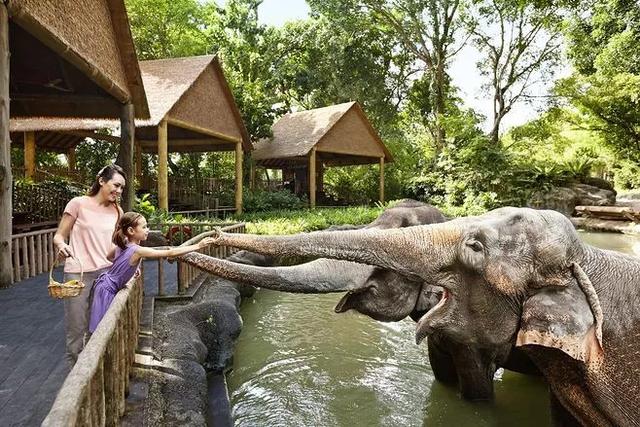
<point x="150" y="253"/>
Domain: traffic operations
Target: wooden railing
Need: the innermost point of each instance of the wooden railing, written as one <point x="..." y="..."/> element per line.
<point x="187" y="273"/>
<point x="93" y="394"/>
<point x="32" y="253"/>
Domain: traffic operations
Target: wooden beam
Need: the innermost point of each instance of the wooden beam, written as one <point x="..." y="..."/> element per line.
<point x="239" y="155"/>
<point x="30" y="155"/>
<point x="382" y="179"/>
<point x="312" y="178"/>
<point x="125" y="154"/>
<point x="61" y="99"/>
<point x="212" y="144"/>
<point x="138" y="159"/>
<point x="93" y="135"/>
<point x="5" y="153"/>
<point x="202" y="130"/>
<point x="163" y="164"/>
<point x="71" y="159"/>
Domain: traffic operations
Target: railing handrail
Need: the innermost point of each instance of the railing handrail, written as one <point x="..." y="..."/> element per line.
<point x="77" y="394"/>
<point x="34" y="233"/>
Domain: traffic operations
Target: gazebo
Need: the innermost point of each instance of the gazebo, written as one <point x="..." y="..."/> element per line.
<point x="306" y="142"/>
<point x="61" y="60"/>
<point x="192" y="110"/>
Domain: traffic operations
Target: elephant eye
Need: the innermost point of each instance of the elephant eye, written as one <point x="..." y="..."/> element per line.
<point x="475" y="245"/>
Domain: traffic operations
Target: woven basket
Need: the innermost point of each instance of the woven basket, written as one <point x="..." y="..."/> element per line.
<point x="70" y="288"/>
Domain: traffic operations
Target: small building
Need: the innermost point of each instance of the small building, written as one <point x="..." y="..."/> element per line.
<point x="306" y="142"/>
<point x="62" y="59"/>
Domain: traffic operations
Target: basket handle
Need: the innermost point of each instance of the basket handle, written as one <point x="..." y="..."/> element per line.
<point x="56" y="263"/>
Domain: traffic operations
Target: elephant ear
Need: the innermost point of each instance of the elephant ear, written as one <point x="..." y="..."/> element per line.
<point x="565" y="315"/>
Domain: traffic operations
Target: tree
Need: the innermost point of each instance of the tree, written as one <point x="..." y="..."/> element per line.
<point x="520" y="41"/>
<point x="425" y="28"/>
<point x="604" y="46"/>
<point x="167" y="28"/>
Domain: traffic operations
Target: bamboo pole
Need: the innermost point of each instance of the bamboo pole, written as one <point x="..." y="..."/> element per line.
<point x="239" y="177"/>
<point x="5" y="154"/>
<point x="30" y="154"/>
<point x="163" y="160"/>
<point x="312" y="178"/>
<point x="125" y="154"/>
<point x="382" y="179"/>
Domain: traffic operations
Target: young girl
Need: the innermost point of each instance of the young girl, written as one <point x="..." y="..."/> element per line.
<point x="130" y="231"/>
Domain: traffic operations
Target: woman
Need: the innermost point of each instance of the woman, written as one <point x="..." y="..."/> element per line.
<point x="88" y="223"/>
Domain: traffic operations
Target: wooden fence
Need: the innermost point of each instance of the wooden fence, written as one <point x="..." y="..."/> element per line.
<point x="93" y="394"/>
<point x="32" y="253"/>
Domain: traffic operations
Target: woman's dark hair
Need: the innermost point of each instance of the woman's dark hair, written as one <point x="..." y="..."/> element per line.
<point x="129" y="219"/>
<point x="106" y="173"/>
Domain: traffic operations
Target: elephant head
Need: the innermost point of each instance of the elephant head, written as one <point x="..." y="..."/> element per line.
<point x="513" y="276"/>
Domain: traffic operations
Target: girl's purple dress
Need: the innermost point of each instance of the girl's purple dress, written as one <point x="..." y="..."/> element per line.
<point x="110" y="282"/>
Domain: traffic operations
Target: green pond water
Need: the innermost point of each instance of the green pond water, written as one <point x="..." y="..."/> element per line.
<point x="297" y="363"/>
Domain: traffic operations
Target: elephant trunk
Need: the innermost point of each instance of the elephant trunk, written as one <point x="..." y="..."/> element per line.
<point x="316" y="277"/>
<point x="408" y="251"/>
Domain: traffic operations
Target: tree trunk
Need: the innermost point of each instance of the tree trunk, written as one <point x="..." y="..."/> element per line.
<point x="5" y="153"/>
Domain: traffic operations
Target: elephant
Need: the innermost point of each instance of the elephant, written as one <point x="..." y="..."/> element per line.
<point x="386" y="296"/>
<point x="511" y="277"/>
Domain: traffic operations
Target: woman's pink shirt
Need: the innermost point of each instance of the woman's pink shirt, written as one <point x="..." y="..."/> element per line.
<point x="91" y="235"/>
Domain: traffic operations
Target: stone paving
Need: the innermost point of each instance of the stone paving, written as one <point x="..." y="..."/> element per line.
<point x="32" y="363"/>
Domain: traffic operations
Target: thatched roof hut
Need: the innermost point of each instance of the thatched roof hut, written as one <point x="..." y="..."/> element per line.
<point x="194" y="97"/>
<point x="338" y="135"/>
<point x="73" y="59"/>
<point x="63" y="58"/>
<point x="192" y="109"/>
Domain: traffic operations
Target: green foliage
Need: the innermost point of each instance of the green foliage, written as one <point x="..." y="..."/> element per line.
<point x="144" y="205"/>
<point x="91" y="156"/>
<point x="627" y="175"/>
<point x="167" y="28"/>
<point x="296" y="221"/>
<point x="261" y="200"/>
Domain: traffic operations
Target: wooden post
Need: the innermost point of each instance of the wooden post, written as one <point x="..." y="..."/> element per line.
<point x="71" y="159"/>
<point x="252" y="176"/>
<point x="239" y="155"/>
<point x="5" y="153"/>
<point x="382" y="179"/>
<point x="163" y="159"/>
<point x="138" y="160"/>
<point x="312" y="178"/>
<point x="125" y="154"/>
<point x="30" y="155"/>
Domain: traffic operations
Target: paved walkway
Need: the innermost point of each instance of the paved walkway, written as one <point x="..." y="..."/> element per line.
<point x="32" y="363"/>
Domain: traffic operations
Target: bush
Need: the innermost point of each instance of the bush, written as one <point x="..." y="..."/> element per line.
<point x="626" y="175"/>
<point x="261" y="200"/>
<point x="144" y="205"/>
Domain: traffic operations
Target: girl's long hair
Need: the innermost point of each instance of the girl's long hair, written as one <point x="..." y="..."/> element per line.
<point x="129" y="219"/>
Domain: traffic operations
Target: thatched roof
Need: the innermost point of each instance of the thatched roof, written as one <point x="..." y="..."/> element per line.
<point x="190" y="93"/>
<point x="99" y="68"/>
<point x="337" y="131"/>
